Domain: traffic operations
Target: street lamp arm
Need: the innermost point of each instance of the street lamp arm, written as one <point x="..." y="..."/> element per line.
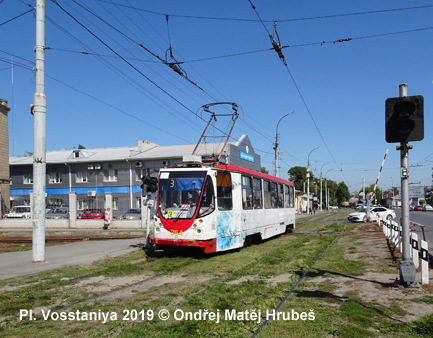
<point x="276" y="142"/>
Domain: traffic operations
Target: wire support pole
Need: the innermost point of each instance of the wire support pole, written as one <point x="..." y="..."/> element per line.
<point x="276" y="144"/>
<point x="39" y="110"/>
<point x="308" y="181"/>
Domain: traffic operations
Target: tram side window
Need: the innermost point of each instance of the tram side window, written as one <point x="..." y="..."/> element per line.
<point x="257" y="193"/>
<point x="267" y="194"/>
<point x="247" y="193"/>
<point x="280" y="196"/>
<point x="287" y="197"/>
<point x="224" y="191"/>
<point x="292" y="196"/>
<point x="274" y="203"/>
<point x="208" y="199"/>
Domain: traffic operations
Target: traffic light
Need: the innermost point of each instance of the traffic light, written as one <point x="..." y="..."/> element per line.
<point x="150" y="184"/>
<point x="145" y="180"/>
<point x="404" y="119"/>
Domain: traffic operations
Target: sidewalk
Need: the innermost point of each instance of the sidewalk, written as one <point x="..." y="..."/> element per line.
<point x="17" y="264"/>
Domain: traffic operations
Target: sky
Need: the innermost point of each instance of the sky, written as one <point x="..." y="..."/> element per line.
<point x="108" y="84"/>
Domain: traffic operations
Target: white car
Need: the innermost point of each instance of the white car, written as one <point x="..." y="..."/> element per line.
<point x="427" y="207"/>
<point x="375" y="212"/>
<point x="20" y="211"/>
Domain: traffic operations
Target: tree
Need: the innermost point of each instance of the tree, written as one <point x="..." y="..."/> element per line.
<point x="342" y="194"/>
<point x="81" y="146"/>
<point x="264" y="170"/>
<point x="298" y="175"/>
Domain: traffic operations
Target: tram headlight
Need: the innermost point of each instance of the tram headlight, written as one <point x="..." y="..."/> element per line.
<point x="198" y="232"/>
<point x="157" y="229"/>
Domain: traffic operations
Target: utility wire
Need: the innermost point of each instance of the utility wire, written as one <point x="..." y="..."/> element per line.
<point x="76" y="20"/>
<point x="281" y="20"/>
<point x="16" y="17"/>
<point x="126" y="61"/>
<point x="281" y="56"/>
<point x="173" y="65"/>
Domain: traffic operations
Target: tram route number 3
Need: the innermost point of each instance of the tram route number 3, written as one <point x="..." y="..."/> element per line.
<point x="176" y="233"/>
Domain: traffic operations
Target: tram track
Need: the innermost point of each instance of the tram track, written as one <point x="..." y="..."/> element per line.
<point x="215" y="281"/>
<point x="221" y="280"/>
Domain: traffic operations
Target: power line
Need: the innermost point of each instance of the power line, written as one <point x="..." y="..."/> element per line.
<point x="277" y="47"/>
<point x="281" y="20"/>
<point x="16" y="17"/>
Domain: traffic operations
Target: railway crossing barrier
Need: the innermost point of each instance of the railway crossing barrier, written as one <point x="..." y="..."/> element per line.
<point x="393" y="232"/>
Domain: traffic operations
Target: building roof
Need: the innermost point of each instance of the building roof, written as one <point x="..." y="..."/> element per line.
<point x="143" y="151"/>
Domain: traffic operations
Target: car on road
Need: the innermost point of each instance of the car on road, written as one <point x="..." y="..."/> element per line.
<point x="418" y="208"/>
<point x="134" y="213"/>
<point x="375" y="212"/>
<point x="427" y="207"/>
<point x="93" y="213"/>
<point x="58" y="213"/>
<point x="20" y="211"/>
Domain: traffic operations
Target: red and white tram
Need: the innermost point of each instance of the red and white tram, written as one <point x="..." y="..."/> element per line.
<point x="220" y="207"/>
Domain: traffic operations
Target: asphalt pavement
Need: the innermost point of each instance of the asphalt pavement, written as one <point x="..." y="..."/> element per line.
<point x="17" y="264"/>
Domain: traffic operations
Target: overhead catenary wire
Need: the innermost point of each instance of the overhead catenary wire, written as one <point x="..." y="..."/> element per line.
<point x="173" y="65"/>
<point x="279" y="20"/>
<point x="281" y="56"/>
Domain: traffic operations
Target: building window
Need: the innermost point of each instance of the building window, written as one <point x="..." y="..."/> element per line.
<point x="82" y="204"/>
<point x="138" y="202"/>
<point x="110" y="175"/>
<point x="81" y="176"/>
<point x="55" y="177"/>
<point x="140" y="172"/>
<point x="28" y="178"/>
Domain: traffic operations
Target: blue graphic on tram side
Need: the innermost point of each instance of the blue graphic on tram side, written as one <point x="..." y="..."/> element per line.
<point x="226" y="231"/>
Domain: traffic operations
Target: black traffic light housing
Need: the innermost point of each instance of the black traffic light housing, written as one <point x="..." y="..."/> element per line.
<point x="150" y="184"/>
<point x="404" y="119"/>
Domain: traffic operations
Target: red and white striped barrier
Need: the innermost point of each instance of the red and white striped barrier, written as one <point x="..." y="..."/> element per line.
<point x="393" y="233"/>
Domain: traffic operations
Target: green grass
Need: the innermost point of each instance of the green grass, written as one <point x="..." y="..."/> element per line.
<point x="289" y="256"/>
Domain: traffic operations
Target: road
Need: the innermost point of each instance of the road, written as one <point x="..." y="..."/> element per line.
<point x="424" y="218"/>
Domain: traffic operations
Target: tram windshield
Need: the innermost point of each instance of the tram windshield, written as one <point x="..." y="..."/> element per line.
<point x="179" y="193"/>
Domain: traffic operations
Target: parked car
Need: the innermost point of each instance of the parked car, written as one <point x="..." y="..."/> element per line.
<point x="93" y="214"/>
<point x="333" y="207"/>
<point x="58" y="213"/>
<point x="19" y="211"/>
<point x="134" y="213"/>
<point x="382" y="212"/>
<point x="418" y="208"/>
<point x="427" y="207"/>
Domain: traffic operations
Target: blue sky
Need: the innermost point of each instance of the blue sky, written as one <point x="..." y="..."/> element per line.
<point x="337" y="89"/>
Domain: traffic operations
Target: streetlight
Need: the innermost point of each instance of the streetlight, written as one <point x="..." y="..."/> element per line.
<point x="326" y="190"/>
<point x="321" y="186"/>
<point x="308" y="181"/>
<point x="276" y="142"/>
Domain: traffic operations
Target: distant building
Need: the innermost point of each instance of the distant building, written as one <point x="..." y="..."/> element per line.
<point x="4" y="155"/>
<point x="93" y="172"/>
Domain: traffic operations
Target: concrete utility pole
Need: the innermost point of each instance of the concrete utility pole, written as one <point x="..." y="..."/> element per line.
<point x="308" y="181"/>
<point x="276" y="143"/>
<point x="39" y="139"/>
<point x="321" y="186"/>
<point x="407" y="267"/>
